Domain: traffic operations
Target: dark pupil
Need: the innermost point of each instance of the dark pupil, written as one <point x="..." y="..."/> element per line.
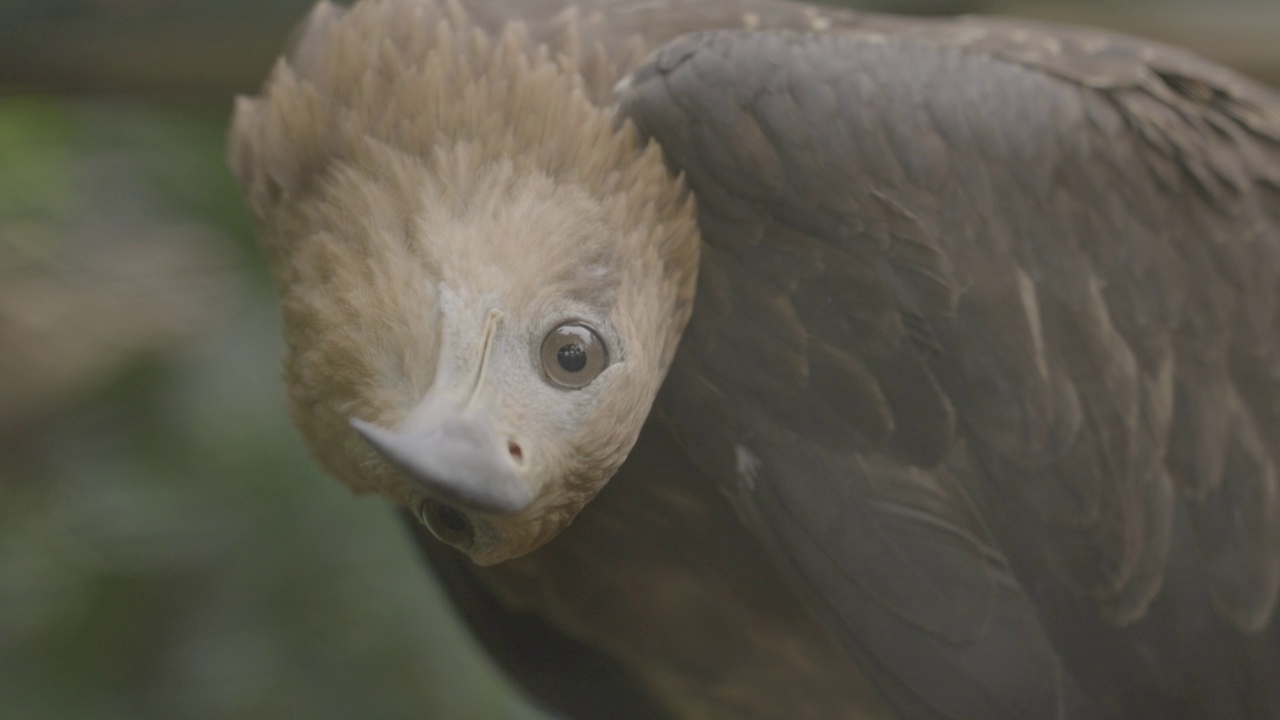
<point x="572" y="357"/>
<point x="451" y="519"/>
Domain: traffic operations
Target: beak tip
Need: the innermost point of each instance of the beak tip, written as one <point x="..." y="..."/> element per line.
<point x="504" y="493"/>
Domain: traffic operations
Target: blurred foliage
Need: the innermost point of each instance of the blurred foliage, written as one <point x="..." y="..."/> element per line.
<point x="167" y="548"/>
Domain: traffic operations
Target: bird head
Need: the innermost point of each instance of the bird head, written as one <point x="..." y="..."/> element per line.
<point x="483" y="275"/>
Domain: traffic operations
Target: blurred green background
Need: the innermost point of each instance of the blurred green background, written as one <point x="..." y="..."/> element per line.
<point x="167" y="549"/>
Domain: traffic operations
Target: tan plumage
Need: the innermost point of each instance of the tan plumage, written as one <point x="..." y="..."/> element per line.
<point x="974" y="413"/>
<point x="394" y="176"/>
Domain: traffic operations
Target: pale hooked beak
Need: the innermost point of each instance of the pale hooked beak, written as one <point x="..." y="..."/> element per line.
<point x="454" y="455"/>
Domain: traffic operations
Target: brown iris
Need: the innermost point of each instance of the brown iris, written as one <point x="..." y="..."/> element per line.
<point x="573" y="355"/>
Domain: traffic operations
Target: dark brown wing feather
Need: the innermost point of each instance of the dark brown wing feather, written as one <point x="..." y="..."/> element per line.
<point x="562" y="674"/>
<point x="986" y="350"/>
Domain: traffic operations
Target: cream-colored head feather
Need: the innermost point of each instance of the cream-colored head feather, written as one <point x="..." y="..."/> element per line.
<point x="433" y="200"/>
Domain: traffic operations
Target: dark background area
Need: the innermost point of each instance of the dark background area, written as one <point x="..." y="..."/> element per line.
<point x="167" y="548"/>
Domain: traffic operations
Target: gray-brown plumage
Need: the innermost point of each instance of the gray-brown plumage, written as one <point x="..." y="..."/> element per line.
<point x="975" y="410"/>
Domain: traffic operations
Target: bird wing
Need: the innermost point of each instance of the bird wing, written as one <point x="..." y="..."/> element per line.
<point x="986" y="351"/>
<point x="561" y="673"/>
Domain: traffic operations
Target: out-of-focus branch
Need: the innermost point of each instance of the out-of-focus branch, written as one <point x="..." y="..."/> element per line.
<point x="207" y="50"/>
<point x="1242" y="35"/>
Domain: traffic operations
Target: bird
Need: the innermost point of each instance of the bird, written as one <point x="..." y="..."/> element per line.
<point x="756" y="359"/>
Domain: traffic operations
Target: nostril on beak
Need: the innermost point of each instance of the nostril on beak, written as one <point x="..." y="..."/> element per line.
<point x="517" y="453"/>
<point x="456" y="459"/>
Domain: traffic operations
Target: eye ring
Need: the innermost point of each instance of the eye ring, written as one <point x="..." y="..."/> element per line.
<point x="450" y="525"/>
<point x="573" y="354"/>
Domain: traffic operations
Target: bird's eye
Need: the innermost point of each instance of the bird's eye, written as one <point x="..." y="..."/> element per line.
<point x="447" y="523"/>
<point x="573" y="355"/>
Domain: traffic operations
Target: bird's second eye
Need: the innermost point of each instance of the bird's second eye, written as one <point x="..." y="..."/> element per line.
<point x="573" y="355"/>
<point x="446" y="523"/>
